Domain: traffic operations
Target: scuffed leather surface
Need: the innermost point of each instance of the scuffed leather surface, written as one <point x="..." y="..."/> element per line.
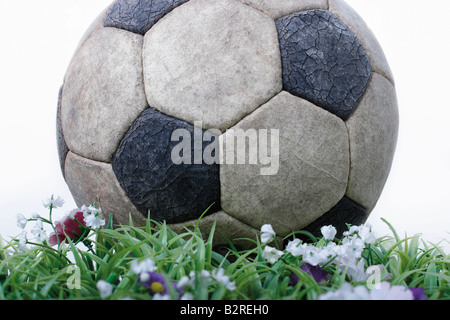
<point x="139" y="16"/>
<point x="323" y="61"/>
<point x="145" y="170"/>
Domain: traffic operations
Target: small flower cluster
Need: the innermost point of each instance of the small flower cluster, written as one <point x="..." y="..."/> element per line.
<point x="345" y="254"/>
<point x="75" y="225"/>
<point x="160" y="288"/>
<point x="206" y="278"/>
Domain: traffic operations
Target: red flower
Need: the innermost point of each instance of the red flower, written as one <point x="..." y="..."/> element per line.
<point x="68" y="228"/>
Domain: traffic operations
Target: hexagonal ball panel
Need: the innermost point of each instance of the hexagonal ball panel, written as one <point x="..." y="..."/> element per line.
<point x="146" y="170"/>
<point x="373" y="130"/>
<point x="323" y="61"/>
<point x="139" y="16"/>
<point x="212" y="61"/>
<point x="103" y="93"/>
<point x="313" y="167"/>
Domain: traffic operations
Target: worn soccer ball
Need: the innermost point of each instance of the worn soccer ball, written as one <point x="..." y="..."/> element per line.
<point x="250" y="112"/>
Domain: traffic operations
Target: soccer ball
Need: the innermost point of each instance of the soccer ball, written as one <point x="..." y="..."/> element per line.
<point x="241" y="112"/>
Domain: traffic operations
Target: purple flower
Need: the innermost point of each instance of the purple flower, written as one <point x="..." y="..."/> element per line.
<point x="316" y="272"/>
<point x="294" y="279"/>
<point x="418" y="293"/>
<point x="156" y="283"/>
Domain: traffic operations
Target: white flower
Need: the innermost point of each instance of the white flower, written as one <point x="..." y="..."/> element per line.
<point x="311" y="254"/>
<point x="219" y="275"/>
<point x="39" y="232"/>
<point x="94" y="210"/>
<point x="105" y="288"/>
<point x="267" y="233"/>
<point x="353" y="246"/>
<point x="84" y="209"/>
<point x="144" y="277"/>
<point x="94" y="221"/>
<point x="21" y="221"/>
<point x="91" y="210"/>
<point x="92" y="216"/>
<point x="36" y="216"/>
<point x="23" y="242"/>
<point x="329" y="232"/>
<point x="354" y="269"/>
<point x="367" y="235"/>
<point x="231" y="286"/>
<point x="339" y="250"/>
<point x="205" y="274"/>
<point x="271" y="254"/>
<point x="147" y="265"/>
<point x="204" y="277"/>
<point x="295" y="248"/>
<point x="316" y="256"/>
<point x="364" y="232"/>
<point x="184" y="281"/>
<point x="54" y="203"/>
<point x="351" y="231"/>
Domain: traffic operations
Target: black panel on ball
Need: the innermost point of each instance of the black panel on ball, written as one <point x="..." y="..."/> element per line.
<point x="146" y="171"/>
<point x="323" y="61"/>
<point x="139" y="16"/>
<point x="345" y="212"/>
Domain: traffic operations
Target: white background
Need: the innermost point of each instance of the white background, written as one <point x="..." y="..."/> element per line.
<point x="37" y="42"/>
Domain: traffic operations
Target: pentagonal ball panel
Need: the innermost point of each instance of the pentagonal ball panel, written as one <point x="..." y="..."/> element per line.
<point x="139" y="16"/>
<point x="312" y="170"/>
<point x="148" y="169"/>
<point x="373" y="130"/>
<point x="103" y="93"/>
<point x="212" y="61"/>
<point x="90" y="181"/>
<point x="323" y="61"/>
